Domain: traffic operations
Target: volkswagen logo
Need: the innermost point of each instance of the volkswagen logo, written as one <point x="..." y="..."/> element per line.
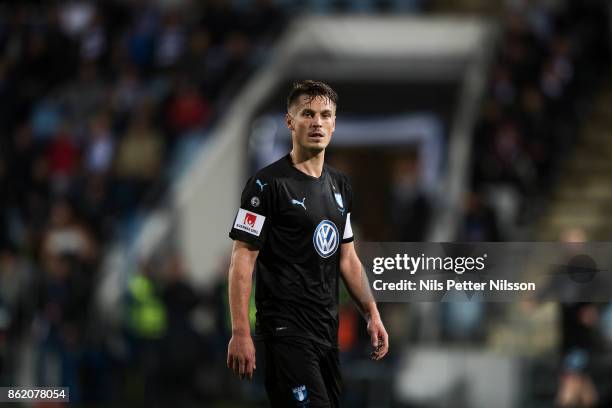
<point x="326" y="239"/>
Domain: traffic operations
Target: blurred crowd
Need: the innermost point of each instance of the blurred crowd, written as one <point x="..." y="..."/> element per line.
<point x="548" y="66"/>
<point x="96" y="101"/>
<point x="550" y="63"/>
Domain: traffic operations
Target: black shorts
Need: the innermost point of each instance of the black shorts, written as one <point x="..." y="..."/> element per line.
<point x="300" y="373"/>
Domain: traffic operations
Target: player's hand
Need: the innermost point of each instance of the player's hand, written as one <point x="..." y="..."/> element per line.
<point x="379" y="337"/>
<point x="241" y="356"/>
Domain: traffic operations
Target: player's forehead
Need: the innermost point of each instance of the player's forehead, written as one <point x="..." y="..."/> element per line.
<point x="317" y="103"/>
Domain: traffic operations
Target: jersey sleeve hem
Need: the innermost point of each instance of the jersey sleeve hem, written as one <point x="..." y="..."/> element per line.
<point x="237" y="236"/>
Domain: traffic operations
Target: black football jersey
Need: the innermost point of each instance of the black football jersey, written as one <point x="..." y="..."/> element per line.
<point x="298" y="223"/>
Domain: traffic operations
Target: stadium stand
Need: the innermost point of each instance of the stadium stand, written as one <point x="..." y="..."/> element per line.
<point x="104" y="102"/>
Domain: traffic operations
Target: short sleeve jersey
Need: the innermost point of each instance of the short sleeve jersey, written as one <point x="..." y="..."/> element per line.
<point x="298" y="223"/>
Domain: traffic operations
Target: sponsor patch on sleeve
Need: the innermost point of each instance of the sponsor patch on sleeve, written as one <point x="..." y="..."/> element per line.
<point x="249" y="221"/>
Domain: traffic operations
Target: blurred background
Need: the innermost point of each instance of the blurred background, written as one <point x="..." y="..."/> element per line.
<point x="130" y="127"/>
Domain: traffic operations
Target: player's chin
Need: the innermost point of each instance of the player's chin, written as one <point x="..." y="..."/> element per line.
<point x="316" y="148"/>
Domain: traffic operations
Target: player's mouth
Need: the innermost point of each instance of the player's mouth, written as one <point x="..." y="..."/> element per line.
<point x="316" y="135"/>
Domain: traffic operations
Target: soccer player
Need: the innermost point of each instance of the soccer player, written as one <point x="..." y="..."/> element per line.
<point x="294" y="226"/>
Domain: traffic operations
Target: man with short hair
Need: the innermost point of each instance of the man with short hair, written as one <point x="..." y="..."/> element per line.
<point x="294" y="226"/>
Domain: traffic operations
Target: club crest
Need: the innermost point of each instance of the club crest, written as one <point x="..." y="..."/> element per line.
<point x="300" y="393"/>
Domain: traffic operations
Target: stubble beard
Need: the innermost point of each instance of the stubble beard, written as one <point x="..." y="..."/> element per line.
<point x="314" y="150"/>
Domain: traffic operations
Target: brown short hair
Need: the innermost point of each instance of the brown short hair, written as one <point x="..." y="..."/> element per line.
<point x="312" y="89"/>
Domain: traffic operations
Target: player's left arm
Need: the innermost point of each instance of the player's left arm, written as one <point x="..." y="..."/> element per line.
<point x="357" y="284"/>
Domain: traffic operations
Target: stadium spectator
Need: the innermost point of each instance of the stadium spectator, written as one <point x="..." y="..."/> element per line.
<point x="171" y="42"/>
<point x="410" y="207"/>
<point x="100" y="148"/>
<point x="128" y="92"/>
<point x="95" y="206"/>
<point x="139" y="159"/>
<point x="67" y="236"/>
<point x="17" y="279"/>
<point x="181" y="347"/>
<point x="63" y="160"/>
<point x="578" y="321"/>
<point x="60" y="323"/>
<point x="480" y="221"/>
<point x="22" y="155"/>
<point x="187" y="109"/>
<point x="93" y="41"/>
<point x="145" y="326"/>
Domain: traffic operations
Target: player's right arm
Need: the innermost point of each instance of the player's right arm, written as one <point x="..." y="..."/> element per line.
<point x="241" y="350"/>
<point x="249" y="234"/>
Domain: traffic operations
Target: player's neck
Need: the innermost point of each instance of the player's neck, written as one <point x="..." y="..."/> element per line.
<point x="311" y="164"/>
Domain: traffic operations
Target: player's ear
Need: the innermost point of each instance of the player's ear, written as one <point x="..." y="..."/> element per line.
<point x="289" y="121"/>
